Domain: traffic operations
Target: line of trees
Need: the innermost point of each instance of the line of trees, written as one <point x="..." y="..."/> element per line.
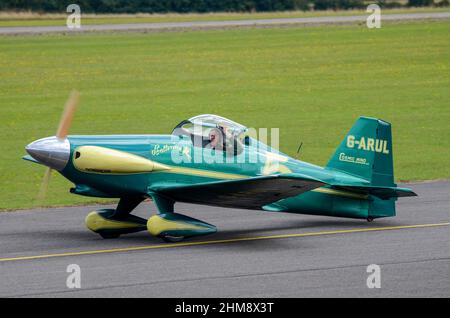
<point x="184" y="6"/>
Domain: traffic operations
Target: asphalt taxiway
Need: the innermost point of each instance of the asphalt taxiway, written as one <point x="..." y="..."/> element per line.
<point x="254" y="254"/>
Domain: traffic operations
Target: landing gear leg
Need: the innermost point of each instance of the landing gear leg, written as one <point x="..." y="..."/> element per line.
<point x="111" y="224"/>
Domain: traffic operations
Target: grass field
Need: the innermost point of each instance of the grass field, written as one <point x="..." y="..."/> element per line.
<point x="312" y="83"/>
<point x="11" y="19"/>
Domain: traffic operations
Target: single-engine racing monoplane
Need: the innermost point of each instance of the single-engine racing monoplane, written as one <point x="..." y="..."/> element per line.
<point x="214" y="161"/>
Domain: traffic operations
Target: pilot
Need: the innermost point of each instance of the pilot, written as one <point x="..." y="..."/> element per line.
<point x="215" y="139"/>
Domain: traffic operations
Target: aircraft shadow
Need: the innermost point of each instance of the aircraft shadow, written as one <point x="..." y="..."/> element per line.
<point x="83" y="238"/>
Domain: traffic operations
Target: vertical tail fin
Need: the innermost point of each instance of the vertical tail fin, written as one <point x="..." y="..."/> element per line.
<point x="366" y="152"/>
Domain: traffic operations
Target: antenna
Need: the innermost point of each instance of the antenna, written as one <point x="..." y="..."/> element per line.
<point x="298" y="150"/>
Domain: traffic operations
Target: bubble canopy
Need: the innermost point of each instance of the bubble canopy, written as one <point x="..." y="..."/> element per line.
<point x="214" y="132"/>
<point x="203" y="123"/>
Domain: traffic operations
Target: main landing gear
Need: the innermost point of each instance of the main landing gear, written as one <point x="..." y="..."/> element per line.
<point x="167" y="225"/>
<point x="109" y="223"/>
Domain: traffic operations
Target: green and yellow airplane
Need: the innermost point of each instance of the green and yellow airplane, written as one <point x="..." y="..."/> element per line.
<point x="214" y="161"/>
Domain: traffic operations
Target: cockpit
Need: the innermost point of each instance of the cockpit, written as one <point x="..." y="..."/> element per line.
<point x="213" y="132"/>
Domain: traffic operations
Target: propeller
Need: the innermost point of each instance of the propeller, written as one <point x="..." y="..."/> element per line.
<point x="67" y="117"/>
<point x="61" y="134"/>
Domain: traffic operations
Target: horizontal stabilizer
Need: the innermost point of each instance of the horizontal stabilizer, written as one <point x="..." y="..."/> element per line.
<point x="381" y="192"/>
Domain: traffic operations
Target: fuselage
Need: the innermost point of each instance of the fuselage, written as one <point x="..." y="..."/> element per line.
<point x="189" y="164"/>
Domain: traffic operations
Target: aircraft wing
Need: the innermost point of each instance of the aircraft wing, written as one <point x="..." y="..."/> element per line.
<point x="250" y="193"/>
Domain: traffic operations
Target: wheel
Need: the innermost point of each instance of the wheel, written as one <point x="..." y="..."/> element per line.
<point x="171" y="239"/>
<point x="369" y="219"/>
<point x="108" y="236"/>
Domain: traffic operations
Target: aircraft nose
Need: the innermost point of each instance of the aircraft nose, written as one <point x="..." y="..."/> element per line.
<point x="51" y="151"/>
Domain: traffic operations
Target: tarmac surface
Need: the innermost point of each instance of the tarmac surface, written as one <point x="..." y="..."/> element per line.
<point x="168" y="26"/>
<point x="254" y="254"/>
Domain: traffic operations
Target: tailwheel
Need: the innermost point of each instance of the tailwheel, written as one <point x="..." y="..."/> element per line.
<point x="370" y="219"/>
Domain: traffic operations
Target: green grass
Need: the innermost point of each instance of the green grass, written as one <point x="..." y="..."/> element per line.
<point x="11" y="19"/>
<point x="312" y="83"/>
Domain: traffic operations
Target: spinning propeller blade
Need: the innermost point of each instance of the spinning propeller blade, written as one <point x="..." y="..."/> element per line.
<point x="44" y="186"/>
<point x="67" y="117"/>
<point x="61" y="134"/>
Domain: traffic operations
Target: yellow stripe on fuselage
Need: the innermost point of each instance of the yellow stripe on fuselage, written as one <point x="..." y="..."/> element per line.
<point x="205" y="173"/>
